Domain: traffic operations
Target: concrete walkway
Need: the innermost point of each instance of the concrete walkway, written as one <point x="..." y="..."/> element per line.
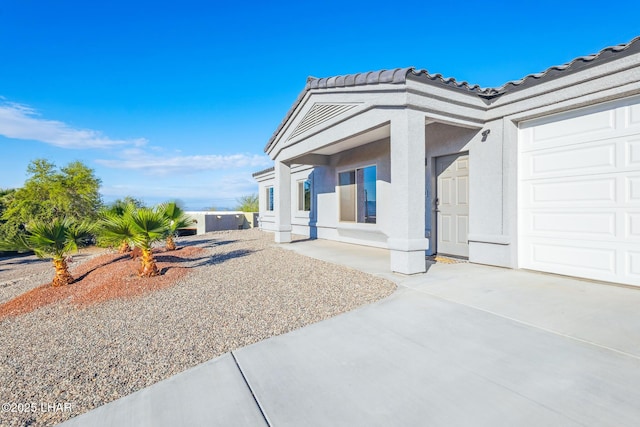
<point x="462" y="345"/>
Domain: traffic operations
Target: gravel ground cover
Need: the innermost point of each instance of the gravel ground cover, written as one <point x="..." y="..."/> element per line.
<point x="22" y="273"/>
<point x="69" y="357"/>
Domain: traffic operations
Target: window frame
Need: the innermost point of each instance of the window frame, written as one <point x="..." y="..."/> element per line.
<point x="354" y="170"/>
<point x="269" y="199"/>
<point x="301" y="195"/>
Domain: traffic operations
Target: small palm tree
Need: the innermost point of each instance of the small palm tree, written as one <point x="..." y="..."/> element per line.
<point x="177" y="219"/>
<point x="115" y="227"/>
<point x="54" y="240"/>
<point x="148" y="226"/>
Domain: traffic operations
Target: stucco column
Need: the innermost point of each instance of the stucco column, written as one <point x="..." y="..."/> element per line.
<point x="282" y="202"/>
<point x="407" y="242"/>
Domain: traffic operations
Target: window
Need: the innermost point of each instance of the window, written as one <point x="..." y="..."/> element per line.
<point x="304" y="195"/>
<point x="269" y="198"/>
<point x="358" y="195"/>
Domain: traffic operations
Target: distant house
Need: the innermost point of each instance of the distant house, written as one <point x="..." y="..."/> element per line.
<point x="542" y="173"/>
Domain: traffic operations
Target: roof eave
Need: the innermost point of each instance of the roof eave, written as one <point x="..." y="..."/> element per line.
<point x="488" y="95"/>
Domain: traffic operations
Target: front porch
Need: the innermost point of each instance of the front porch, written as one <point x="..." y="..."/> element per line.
<point x="369" y="147"/>
<point x="403" y="156"/>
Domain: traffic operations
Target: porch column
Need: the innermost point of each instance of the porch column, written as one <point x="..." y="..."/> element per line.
<point x="407" y="242"/>
<point x="282" y="202"/>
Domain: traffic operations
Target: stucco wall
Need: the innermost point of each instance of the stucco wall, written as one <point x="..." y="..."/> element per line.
<point x="216" y="221"/>
<point x="322" y="221"/>
<point x="328" y="225"/>
<point x="488" y="198"/>
<point x="266" y="219"/>
<point x="301" y="220"/>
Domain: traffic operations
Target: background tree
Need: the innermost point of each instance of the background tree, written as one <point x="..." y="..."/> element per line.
<point x="49" y="193"/>
<point x="248" y="203"/>
<point x="215" y="208"/>
<point x="78" y="191"/>
<point x="119" y="205"/>
<point x="6" y="231"/>
<point x="5" y="197"/>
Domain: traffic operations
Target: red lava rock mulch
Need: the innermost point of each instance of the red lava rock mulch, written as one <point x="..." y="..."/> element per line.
<point x="104" y="278"/>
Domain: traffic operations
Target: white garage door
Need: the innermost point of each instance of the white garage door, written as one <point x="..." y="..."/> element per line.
<point x="579" y="193"/>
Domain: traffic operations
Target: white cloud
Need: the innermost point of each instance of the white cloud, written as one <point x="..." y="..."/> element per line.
<point x="155" y="165"/>
<point x="22" y="122"/>
<point x="220" y="188"/>
<point x="233" y="186"/>
<point x="222" y="191"/>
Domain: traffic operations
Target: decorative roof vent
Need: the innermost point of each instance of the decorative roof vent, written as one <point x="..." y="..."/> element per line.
<point x="318" y="114"/>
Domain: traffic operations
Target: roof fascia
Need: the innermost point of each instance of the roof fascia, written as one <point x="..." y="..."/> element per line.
<point x="369" y="96"/>
<point x="621" y="76"/>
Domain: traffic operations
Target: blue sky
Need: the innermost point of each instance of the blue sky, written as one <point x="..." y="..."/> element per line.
<point x="176" y="100"/>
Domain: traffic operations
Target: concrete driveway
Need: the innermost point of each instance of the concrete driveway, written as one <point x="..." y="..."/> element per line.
<point x="462" y="345"/>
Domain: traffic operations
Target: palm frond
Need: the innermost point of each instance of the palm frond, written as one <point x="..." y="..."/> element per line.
<point x="17" y="244"/>
<point x="55" y="239"/>
<point x="48" y="239"/>
<point x="176" y="216"/>
<point x="79" y="234"/>
<point x="115" y="227"/>
<point x="148" y="226"/>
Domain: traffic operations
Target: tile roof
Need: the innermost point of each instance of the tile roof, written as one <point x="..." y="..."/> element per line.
<point x="603" y="56"/>
<point x="401" y="75"/>
<point x="395" y="76"/>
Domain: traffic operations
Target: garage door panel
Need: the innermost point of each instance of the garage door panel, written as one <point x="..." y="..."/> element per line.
<point x="599" y="225"/>
<point x="613" y="155"/>
<point x="568" y="256"/>
<point x="633" y="266"/>
<point x="579" y="193"/>
<point x="633" y="116"/>
<point x="633" y="189"/>
<point x="574" y="127"/>
<point x="633" y="153"/>
<point x="594" y="225"/>
<point x="633" y="225"/>
<point x="582" y="126"/>
<point x="569" y="192"/>
<point x="590" y="260"/>
<point x="575" y="160"/>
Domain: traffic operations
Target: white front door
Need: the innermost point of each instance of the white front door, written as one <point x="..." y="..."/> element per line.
<point x="452" y="204"/>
